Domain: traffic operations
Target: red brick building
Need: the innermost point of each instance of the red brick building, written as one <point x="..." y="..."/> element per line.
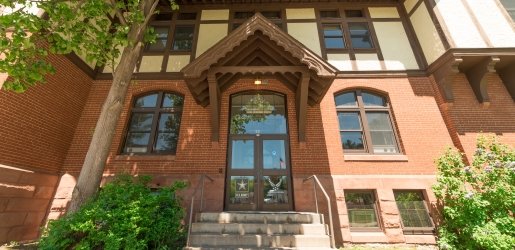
<point x="363" y="94"/>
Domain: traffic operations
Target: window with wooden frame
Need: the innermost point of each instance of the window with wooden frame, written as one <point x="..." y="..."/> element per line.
<point x="154" y="124"/>
<point x="412" y="207"/>
<point x="365" y="123"/>
<point x="238" y="17"/>
<point x="175" y="35"/>
<point x="362" y="210"/>
<point x="346" y="30"/>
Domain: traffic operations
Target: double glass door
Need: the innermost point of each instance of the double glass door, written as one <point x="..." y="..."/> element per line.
<point x="258" y="171"/>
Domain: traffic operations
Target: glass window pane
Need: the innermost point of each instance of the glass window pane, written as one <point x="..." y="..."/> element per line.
<point x="346" y="100"/>
<point x="166" y="142"/>
<point x="169" y="122"/>
<point x="183" y="38"/>
<point x="275" y="189"/>
<point x="509" y="5"/>
<point x="349" y="121"/>
<point x="274" y="15"/>
<point x="141" y="122"/>
<point x="172" y="101"/>
<point x="258" y="114"/>
<point x="148" y="101"/>
<point x="243" y="14"/>
<point x="412" y="209"/>
<point x="373" y="100"/>
<point x="334" y="43"/>
<point x="136" y="142"/>
<point x="242" y="190"/>
<point x="360" y="35"/>
<point x="361" y="208"/>
<point x="383" y="142"/>
<point x="333" y="30"/>
<point x="352" y="140"/>
<point x="242" y="156"/>
<point x="379" y="121"/>
<point x="329" y="14"/>
<point x="161" y="39"/>
<point x="187" y="16"/>
<point x="274" y="155"/>
<point x="354" y="13"/>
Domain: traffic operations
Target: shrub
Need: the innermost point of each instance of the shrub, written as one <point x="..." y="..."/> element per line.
<point x="126" y="214"/>
<point x="478" y="200"/>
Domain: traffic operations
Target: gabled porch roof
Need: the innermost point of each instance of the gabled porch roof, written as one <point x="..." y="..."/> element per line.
<point x="259" y="48"/>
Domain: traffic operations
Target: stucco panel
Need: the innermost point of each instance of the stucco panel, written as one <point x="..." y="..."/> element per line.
<point x="383" y="12"/>
<point x="151" y="64"/>
<point x="427" y="34"/>
<point x="307" y="34"/>
<point x="177" y="62"/>
<point x="340" y="61"/>
<point x="209" y="35"/>
<point x="396" y="49"/>
<point x="214" y="15"/>
<point x="368" y="62"/>
<point x="409" y="4"/>
<point x="304" y="13"/>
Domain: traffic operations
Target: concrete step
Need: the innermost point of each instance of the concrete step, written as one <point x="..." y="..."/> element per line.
<point x="268" y="229"/>
<point x="258" y="241"/>
<point x="263" y="217"/>
<point x="257" y="248"/>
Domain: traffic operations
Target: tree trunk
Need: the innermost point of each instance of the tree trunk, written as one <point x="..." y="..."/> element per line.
<point x="98" y="151"/>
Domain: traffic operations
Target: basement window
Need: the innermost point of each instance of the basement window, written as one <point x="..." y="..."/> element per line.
<point x="362" y="209"/>
<point x="414" y="213"/>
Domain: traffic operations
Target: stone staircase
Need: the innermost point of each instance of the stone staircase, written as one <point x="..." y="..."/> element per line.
<point x="259" y="230"/>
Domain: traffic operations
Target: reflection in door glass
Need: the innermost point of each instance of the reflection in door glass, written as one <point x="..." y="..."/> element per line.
<point x="275" y="189"/>
<point x="274" y="156"/>
<point x="258" y="114"/>
<point x="242" y="190"/>
<point x="242" y="156"/>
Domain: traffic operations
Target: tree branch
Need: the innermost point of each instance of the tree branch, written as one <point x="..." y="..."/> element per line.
<point x="150" y="13"/>
<point x="118" y="13"/>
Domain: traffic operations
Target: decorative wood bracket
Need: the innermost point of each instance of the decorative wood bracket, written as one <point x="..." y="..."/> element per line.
<point x="302" y="105"/>
<point x="507" y="75"/>
<point x="477" y="76"/>
<point x="214" y="96"/>
<point x="444" y="77"/>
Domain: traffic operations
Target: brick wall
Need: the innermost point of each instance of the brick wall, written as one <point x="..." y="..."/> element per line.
<point x="470" y="118"/>
<point x="37" y="126"/>
<point x="36" y="129"/>
<point x="422" y="132"/>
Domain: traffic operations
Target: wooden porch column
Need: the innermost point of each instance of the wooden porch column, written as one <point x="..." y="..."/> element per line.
<point x="302" y="105"/>
<point x="214" y="103"/>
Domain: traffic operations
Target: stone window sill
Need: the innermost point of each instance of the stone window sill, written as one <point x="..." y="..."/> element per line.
<point x="363" y="157"/>
<point x="145" y="158"/>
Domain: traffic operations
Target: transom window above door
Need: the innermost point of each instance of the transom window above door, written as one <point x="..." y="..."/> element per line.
<point x="154" y="123"/>
<point x="365" y="123"/>
<point x="258" y="113"/>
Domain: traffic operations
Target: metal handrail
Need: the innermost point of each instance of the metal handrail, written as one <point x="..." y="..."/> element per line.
<point x="193" y="202"/>
<point x="317" y="182"/>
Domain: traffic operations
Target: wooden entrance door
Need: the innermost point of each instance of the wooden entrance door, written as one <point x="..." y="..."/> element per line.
<point x="258" y="171"/>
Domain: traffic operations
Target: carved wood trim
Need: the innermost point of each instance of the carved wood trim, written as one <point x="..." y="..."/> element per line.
<point x="214" y="96"/>
<point x="477" y="76"/>
<point x="444" y="77"/>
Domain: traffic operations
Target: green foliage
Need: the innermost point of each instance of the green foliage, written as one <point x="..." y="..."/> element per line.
<point x="478" y="200"/>
<point x="126" y="214"/>
<point x="82" y="26"/>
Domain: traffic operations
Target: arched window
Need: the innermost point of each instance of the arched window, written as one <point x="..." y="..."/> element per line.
<point x="365" y="123"/>
<point x="154" y="124"/>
